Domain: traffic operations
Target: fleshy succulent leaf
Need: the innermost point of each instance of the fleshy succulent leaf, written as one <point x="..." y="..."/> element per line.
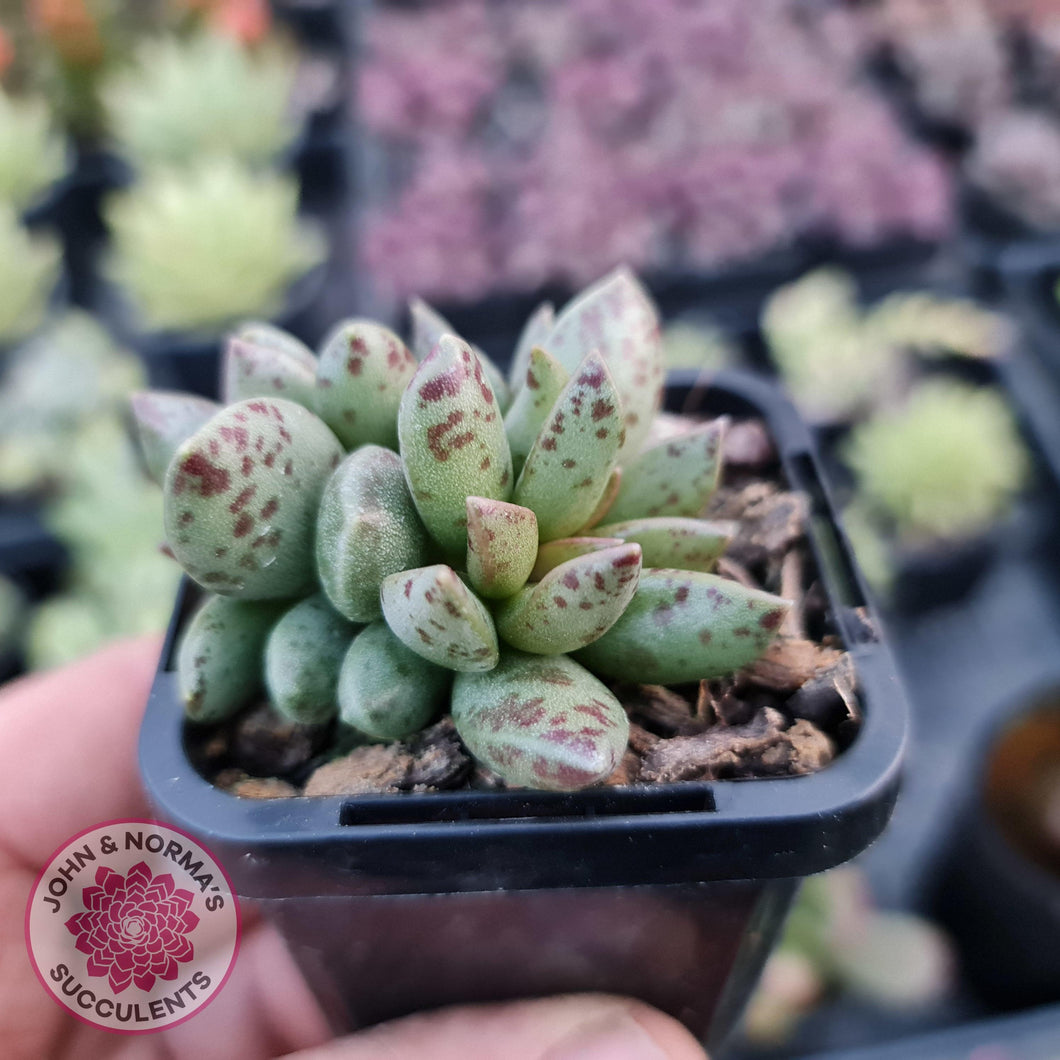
<point x="363" y="371"/>
<point x="573" y="604"/>
<point x="431" y="611"/>
<point x="303" y="656"/>
<point x="259" y="333"/>
<point x="607" y="498"/>
<point x="165" y="419"/>
<point x="677" y="477"/>
<point x="541" y="722"/>
<point x="428" y="327"/>
<point x="367" y="529"/>
<point x="569" y="464"/>
<point x="684" y="626"/>
<point x="616" y="317"/>
<point x="241" y="498"/>
<point x="501" y="546"/>
<point x="252" y="370"/>
<point x="544" y="380"/>
<point x="685" y="544"/>
<point x="387" y="691"/>
<point x="553" y="553"/>
<point x="220" y="657"/>
<point x="535" y="332"/>
<point x="452" y="441"/>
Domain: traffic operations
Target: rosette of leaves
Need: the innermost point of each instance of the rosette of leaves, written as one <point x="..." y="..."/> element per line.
<point x="29" y="270"/>
<point x="387" y="534"/>
<point x="196" y="250"/>
<point x="32" y="155"/>
<point x="206" y="96"/>
<point x="943" y="466"/>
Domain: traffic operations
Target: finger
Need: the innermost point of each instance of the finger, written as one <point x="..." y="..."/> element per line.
<point x="583" y="1027"/>
<point x="68" y="748"/>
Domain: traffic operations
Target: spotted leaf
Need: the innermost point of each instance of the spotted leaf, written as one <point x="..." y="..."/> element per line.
<point x="677" y="477"/>
<point x="431" y="611"/>
<point x="569" y="464"/>
<point x="685" y="544"/>
<point x="385" y="690"/>
<point x="269" y="336"/>
<point x="165" y="419"/>
<point x="535" y="332"/>
<point x="220" y="656"/>
<point x="616" y="317"/>
<point x="428" y="327"/>
<point x="553" y="553"/>
<point x="363" y="371"/>
<point x="573" y="604"/>
<point x="501" y="546"/>
<point x="684" y="626"/>
<point x="545" y="379"/>
<point x="452" y="442"/>
<point x="241" y="498"/>
<point x="541" y="721"/>
<point x="367" y="528"/>
<point x="253" y="369"/>
<point x="303" y="656"/>
<point x="607" y="498"/>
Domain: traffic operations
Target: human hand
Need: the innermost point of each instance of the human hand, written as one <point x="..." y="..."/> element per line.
<point x="68" y="761"/>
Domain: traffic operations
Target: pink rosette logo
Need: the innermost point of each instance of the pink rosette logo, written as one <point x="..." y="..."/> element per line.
<point x="133" y="926"/>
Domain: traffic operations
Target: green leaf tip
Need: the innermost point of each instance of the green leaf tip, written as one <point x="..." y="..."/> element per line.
<point x="164" y="420"/>
<point x="501" y="546"/>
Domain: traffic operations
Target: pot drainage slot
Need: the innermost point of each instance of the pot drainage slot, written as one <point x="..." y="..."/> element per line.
<point x="507" y="806"/>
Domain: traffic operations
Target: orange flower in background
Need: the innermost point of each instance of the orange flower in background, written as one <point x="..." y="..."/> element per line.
<point x="246" y="20"/>
<point x="71" y="29"/>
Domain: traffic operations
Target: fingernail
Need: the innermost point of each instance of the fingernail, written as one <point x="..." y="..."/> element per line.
<point x="618" y="1038"/>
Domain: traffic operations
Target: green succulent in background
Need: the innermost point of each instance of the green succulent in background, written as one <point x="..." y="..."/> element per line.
<point x="702" y="347"/>
<point x="30" y="266"/>
<point x="181" y="100"/>
<point x="377" y="505"/>
<point x="71" y="372"/>
<point x="943" y="466"/>
<point x="32" y="154"/>
<point x="199" y="249"/>
<point x="833" y="367"/>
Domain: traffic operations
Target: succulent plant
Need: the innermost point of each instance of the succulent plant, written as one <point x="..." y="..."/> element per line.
<point x="31" y="151"/>
<point x="446" y="577"/>
<point x="206" y="96"/>
<point x="30" y="266"/>
<point x="198" y="250"/>
<point x="699" y="345"/>
<point x="942" y="466"/>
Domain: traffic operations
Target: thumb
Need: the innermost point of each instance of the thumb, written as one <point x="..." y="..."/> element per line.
<point x="578" y="1027"/>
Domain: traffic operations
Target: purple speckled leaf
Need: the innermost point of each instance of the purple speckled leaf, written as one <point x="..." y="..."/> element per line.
<point x="535" y="331"/>
<point x="431" y="611"/>
<point x="303" y="656"/>
<point x="428" y="327"/>
<point x="573" y="604"/>
<point x="568" y="468"/>
<point x="363" y="371"/>
<point x="553" y="553"/>
<point x="603" y="505"/>
<point x="258" y="333"/>
<point x="616" y="317"/>
<point x="541" y="721"/>
<point x="677" y="477"/>
<point x="452" y="442"/>
<point x="257" y="370"/>
<point x="387" y="691"/>
<point x="220" y="658"/>
<point x="367" y="529"/>
<point x="684" y="626"/>
<point x="501" y="546"/>
<point x="241" y="498"/>
<point x="685" y="544"/>
<point x="165" y="419"/>
<point x="545" y="379"/>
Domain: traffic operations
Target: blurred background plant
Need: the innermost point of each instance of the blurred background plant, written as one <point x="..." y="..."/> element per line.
<point x="30" y="267"/>
<point x="32" y="153"/>
<point x="197" y="250"/>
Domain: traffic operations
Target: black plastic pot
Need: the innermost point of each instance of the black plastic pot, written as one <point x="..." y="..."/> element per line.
<point x="29" y="553"/>
<point x="996" y="887"/>
<point x="674" y="894"/>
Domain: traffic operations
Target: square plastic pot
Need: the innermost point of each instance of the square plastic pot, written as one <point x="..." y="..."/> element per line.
<point x="670" y="893"/>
